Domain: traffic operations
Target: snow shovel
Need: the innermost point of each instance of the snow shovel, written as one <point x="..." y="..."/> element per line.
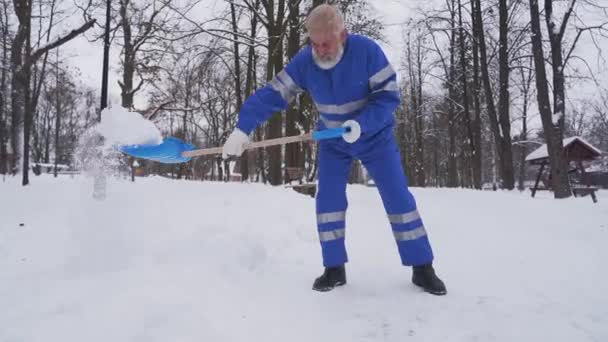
<point x="173" y="150"/>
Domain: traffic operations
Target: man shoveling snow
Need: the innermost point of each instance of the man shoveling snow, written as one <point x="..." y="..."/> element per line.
<point x="353" y="85"/>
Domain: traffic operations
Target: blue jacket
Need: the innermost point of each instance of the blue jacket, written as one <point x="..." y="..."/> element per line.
<point x="362" y="87"/>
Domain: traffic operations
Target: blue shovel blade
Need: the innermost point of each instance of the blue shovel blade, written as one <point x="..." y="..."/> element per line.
<point x="168" y="152"/>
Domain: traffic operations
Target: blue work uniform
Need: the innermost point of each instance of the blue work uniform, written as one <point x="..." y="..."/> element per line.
<point x="361" y="87"/>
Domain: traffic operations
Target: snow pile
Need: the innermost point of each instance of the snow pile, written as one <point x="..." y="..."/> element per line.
<point x="165" y="260"/>
<point x="119" y="126"/>
<point x="96" y="153"/>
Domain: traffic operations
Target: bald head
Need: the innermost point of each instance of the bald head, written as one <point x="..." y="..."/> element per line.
<point x="327" y="34"/>
<point x="326" y="19"/>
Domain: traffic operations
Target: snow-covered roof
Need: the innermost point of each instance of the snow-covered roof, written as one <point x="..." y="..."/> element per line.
<point x="541" y="152"/>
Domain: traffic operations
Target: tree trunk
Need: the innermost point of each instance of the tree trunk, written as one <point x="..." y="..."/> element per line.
<point x="47" y="136"/>
<point x="275" y="65"/>
<point x="504" y="100"/>
<point x="417" y="167"/>
<point x="58" y="113"/>
<point x="420" y="169"/>
<point x="452" y="164"/>
<point x="476" y="126"/>
<point x="237" y="84"/>
<point x="552" y="130"/>
<point x="293" y="151"/>
<point x="220" y="172"/>
<point x="189" y="86"/>
<point x="489" y="96"/>
<point x="249" y="85"/>
<point x="557" y="64"/>
<point x="17" y="92"/>
<point x="128" y="73"/>
<point x="237" y="62"/>
<point x="465" y="95"/>
<point x="3" y="73"/>
<point x="309" y="152"/>
<point x="436" y="163"/>
<point x="25" y="77"/>
<point x="526" y="82"/>
<point x="58" y="149"/>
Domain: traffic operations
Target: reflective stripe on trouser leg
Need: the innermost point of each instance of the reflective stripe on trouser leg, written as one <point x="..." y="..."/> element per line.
<point x="331" y="204"/>
<point x="408" y="229"/>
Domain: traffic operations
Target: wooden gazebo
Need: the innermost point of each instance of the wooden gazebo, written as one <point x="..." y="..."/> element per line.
<point x="576" y="150"/>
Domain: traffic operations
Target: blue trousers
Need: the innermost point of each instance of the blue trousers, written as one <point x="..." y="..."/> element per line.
<point x="381" y="158"/>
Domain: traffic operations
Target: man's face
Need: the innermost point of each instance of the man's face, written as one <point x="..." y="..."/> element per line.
<point x="327" y="45"/>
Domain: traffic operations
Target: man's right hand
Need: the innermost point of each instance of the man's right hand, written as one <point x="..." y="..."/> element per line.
<point x="234" y="145"/>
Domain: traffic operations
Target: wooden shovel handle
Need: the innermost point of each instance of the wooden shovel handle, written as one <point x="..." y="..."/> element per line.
<point x="250" y="146"/>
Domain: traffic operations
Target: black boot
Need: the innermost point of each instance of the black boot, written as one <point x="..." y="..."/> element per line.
<point x="425" y="277"/>
<point x="332" y="277"/>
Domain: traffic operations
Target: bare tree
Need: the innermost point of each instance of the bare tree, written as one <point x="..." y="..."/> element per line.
<point x="65" y="109"/>
<point x="275" y="25"/>
<point x="504" y="119"/>
<point x="23" y="11"/>
<point x="4" y="73"/>
<point x="526" y="74"/>
<point x="476" y="94"/>
<point x="553" y="129"/>
<point x="359" y="18"/>
<point x="415" y="60"/>
<point x="22" y="60"/>
<point x="143" y="24"/>
<point x="293" y="152"/>
<point x="499" y="122"/>
<point x="471" y="125"/>
<point x="599" y="120"/>
<point x="445" y="23"/>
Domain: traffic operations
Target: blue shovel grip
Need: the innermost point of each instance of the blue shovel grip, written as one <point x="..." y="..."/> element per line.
<point x="330" y="133"/>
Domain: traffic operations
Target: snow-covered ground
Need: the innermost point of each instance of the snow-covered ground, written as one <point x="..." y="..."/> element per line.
<point x="166" y="260"/>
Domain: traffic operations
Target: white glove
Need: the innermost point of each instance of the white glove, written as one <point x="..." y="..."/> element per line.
<point x="354" y="133"/>
<point x="234" y="145"/>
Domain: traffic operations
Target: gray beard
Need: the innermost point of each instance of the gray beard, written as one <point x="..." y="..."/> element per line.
<point x="328" y="64"/>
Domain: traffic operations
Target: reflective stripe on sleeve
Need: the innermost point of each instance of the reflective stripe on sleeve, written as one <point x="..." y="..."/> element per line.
<point x="390" y="86"/>
<point x="381" y="76"/>
<point x="284" y="84"/>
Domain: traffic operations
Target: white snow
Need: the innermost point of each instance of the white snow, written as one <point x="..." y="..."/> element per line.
<point x="120" y="126"/>
<point x="553" y="25"/>
<point x="166" y="260"/>
<point x="542" y="152"/>
<point x="59" y="166"/>
<point x="556" y="117"/>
